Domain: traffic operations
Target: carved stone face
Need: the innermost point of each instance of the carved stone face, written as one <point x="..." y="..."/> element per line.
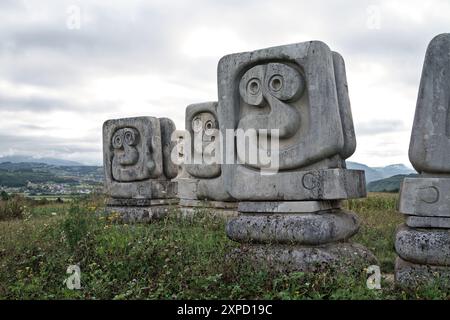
<point x="129" y="163"/>
<point x="298" y="90"/>
<point x="269" y="93"/>
<point x="202" y="124"/>
<point x="132" y="149"/>
<point x="205" y="128"/>
<point x="293" y="89"/>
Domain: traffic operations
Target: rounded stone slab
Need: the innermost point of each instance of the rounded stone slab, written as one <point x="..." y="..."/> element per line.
<point x="410" y="275"/>
<point x="306" y="229"/>
<point x="423" y="246"/>
<point x="289" y="258"/>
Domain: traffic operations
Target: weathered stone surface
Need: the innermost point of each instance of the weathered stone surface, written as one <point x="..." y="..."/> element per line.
<point x="191" y="212"/>
<point x="427" y="222"/>
<point x="208" y="204"/>
<point x="141" y="214"/>
<point x="139" y="202"/>
<point x="423" y="246"/>
<point x="202" y="179"/>
<point x="429" y="149"/>
<point x="288" y="258"/>
<point x="305" y="229"/>
<point x="149" y="189"/>
<point x="425" y="196"/>
<point x="167" y="128"/>
<point x="287" y="206"/>
<point x="411" y="275"/>
<point x="332" y="184"/>
<point x="203" y="127"/>
<point x="300" y="90"/>
<point x="134" y="158"/>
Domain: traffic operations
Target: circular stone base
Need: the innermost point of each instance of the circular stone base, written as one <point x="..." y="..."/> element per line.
<point x="302" y="228"/>
<point x="289" y="258"/>
<point x="423" y="246"/>
<point x="411" y="275"/>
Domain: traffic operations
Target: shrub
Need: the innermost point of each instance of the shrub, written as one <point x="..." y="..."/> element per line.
<point x="13" y="208"/>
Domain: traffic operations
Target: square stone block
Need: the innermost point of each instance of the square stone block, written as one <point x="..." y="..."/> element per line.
<point x="331" y="184"/>
<point x="425" y="196"/>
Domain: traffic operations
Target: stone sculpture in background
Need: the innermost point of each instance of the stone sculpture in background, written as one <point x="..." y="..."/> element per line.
<point x="423" y="242"/>
<point x="138" y="167"/>
<point x="200" y="183"/>
<point x="297" y="96"/>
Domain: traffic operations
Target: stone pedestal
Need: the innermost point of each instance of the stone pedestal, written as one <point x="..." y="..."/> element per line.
<point x="296" y="97"/>
<point x="423" y="242"/>
<point x="220" y="209"/>
<point x="141" y="210"/>
<point x="304" y="236"/>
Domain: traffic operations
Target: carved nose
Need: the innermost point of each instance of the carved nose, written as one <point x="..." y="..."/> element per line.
<point x="283" y="117"/>
<point x="129" y="156"/>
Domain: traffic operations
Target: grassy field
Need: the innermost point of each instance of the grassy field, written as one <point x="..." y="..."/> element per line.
<point x="172" y="259"/>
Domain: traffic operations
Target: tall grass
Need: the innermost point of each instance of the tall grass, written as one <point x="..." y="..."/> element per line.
<point x="172" y="259"/>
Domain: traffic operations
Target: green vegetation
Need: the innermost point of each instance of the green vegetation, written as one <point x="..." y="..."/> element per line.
<point x="16" y="175"/>
<point x="173" y="259"/>
<point x="391" y="184"/>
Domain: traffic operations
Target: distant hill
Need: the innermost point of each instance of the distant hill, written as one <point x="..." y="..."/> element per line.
<point x="20" y="174"/>
<point x="391" y="184"/>
<point x="30" y="159"/>
<point x="379" y="173"/>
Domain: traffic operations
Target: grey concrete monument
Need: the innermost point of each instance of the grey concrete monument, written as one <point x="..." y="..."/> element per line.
<point x="200" y="181"/>
<point x="138" y="167"/>
<point x="423" y="243"/>
<point x="296" y="98"/>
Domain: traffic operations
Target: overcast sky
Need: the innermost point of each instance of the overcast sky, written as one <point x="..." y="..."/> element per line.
<point x="63" y="74"/>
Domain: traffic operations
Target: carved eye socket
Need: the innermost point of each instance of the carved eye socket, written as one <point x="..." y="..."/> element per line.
<point x="209" y="125"/>
<point x="254" y="86"/>
<point x="117" y="141"/>
<point x="130" y="137"/>
<point x="197" y="125"/>
<point x="276" y="83"/>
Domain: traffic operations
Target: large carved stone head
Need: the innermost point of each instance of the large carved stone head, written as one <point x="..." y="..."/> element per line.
<point x="295" y="93"/>
<point x="203" y="127"/>
<point x="136" y="151"/>
<point x="429" y="150"/>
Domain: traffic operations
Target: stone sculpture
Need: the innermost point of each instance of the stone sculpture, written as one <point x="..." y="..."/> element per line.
<point x="200" y="183"/>
<point x="296" y="95"/>
<point x="423" y="242"/>
<point x="138" y="168"/>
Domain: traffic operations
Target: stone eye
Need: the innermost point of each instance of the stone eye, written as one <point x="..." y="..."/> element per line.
<point x="209" y="125"/>
<point x="254" y="86"/>
<point x="117" y="141"/>
<point x="197" y="125"/>
<point x="284" y="82"/>
<point x="130" y="137"/>
<point x="276" y="83"/>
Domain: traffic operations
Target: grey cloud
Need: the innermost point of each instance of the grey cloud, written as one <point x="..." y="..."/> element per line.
<point x="35" y="103"/>
<point x="379" y="127"/>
